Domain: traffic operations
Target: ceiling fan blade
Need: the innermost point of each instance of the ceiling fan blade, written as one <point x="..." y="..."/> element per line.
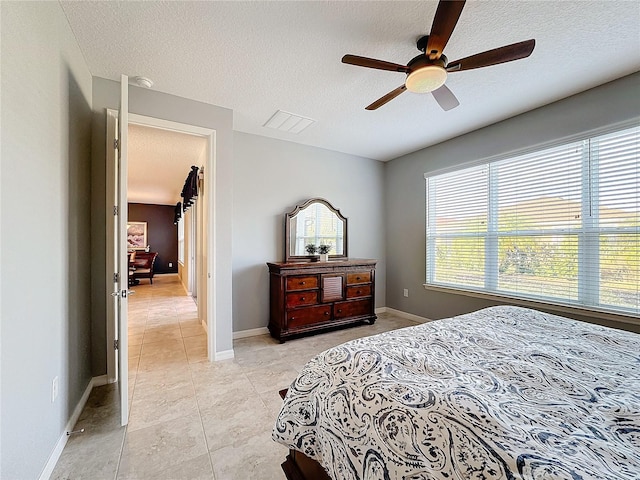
<point x="504" y="54"/>
<point x="388" y="97"/>
<point x="373" y="63"/>
<point x="444" y="22"/>
<point x="445" y="98"/>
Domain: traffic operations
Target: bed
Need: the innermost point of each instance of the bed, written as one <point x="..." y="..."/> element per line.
<point x="505" y="392"/>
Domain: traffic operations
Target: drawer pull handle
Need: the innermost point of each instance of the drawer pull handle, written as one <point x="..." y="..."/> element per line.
<point x="358" y="292"/>
<point x="357" y="278"/>
<point x="292" y="318"/>
<point x="302" y="299"/>
<point x="326" y="313"/>
<point x="339" y="311"/>
<point x="301" y="283"/>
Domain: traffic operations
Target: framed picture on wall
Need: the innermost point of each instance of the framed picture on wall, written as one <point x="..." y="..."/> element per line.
<point x="136" y="235"/>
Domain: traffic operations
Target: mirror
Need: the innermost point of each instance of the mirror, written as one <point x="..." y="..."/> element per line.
<point x="315" y="222"/>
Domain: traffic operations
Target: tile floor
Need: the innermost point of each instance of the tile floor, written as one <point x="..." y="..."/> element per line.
<point x="189" y="418"/>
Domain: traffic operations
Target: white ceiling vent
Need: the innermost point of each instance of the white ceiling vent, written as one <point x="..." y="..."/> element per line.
<point x="288" y="122"/>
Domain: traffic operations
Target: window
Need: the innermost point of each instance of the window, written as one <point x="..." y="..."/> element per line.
<point x="181" y="241"/>
<point x="560" y="225"/>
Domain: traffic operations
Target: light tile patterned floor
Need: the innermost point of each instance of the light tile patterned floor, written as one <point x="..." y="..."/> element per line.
<point x="189" y="418"/>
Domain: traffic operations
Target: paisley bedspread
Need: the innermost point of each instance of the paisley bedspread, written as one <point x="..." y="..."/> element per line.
<point x="505" y="392"/>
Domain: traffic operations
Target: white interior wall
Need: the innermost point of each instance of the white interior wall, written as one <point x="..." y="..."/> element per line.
<point x="45" y="217"/>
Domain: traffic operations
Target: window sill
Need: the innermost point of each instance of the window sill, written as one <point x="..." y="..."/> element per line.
<point x="556" y="307"/>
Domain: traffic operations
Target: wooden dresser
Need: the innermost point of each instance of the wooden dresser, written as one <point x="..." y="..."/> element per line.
<point x="307" y="297"/>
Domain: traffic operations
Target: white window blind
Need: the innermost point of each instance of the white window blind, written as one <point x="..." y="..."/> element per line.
<point x="559" y="225"/>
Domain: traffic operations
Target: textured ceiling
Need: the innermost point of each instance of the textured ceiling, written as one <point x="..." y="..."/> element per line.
<point x="257" y="57"/>
<point x="159" y="162"/>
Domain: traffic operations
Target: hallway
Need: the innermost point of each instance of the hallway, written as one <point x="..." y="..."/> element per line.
<point x="189" y="418"/>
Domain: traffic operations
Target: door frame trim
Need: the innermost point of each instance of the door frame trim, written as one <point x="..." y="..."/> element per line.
<point x="210" y="186"/>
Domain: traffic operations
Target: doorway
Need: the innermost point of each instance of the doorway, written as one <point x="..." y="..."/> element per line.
<point x="194" y="266"/>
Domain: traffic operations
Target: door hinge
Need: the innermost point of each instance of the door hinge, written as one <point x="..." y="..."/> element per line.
<point x="116" y="277"/>
<point x="115" y="210"/>
<point x="116" y="144"/>
<point x="115" y="344"/>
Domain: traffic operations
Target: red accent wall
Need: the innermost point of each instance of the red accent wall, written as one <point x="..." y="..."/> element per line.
<point x="162" y="234"/>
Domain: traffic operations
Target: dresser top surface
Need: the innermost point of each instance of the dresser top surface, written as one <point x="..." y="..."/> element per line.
<point x="351" y="262"/>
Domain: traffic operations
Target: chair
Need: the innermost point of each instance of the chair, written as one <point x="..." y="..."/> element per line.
<point x="132" y="268"/>
<point x="143" y="264"/>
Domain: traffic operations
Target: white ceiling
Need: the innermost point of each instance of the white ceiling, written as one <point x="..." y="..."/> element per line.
<point x="159" y="162"/>
<point x="258" y="57"/>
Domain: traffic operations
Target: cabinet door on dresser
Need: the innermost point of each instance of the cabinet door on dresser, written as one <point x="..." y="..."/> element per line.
<point x="332" y="287"/>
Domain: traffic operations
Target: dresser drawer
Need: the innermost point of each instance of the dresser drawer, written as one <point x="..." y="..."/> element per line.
<point x="308" y="316"/>
<point x="359" y="291"/>
<point x="299" y="299"/>
<point x="358" y="277"/>
<point x="302" y="282"/>
<point x="353" y="308"/>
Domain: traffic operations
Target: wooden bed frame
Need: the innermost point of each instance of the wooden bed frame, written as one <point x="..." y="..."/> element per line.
<point x="298" y="466"/>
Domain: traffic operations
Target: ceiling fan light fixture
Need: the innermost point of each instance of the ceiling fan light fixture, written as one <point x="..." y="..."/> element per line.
<point x="426" y="79"/>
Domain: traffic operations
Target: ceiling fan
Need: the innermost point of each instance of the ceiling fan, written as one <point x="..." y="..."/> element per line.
<point x="428" y="71"/>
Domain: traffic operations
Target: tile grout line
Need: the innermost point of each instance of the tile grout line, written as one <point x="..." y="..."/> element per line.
<point x="124" y="440"/>
<point x="193" y="385"/>
<point x="126" y="427"/>
<point x="206" y="442"/>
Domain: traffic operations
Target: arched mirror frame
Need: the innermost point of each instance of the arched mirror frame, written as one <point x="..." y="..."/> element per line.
<point x="287" y="231"/>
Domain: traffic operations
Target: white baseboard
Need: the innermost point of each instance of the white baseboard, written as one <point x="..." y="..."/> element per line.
<point x="400" y="313"/>
<point x="204" y="325"/>
<point x="253" y="332"/>
<point x="224" y="355"/>
<point x="101" y="380"/>
<point x="62" y="441"/>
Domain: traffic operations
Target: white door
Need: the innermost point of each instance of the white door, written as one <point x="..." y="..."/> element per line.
<point x="120" y="252"/>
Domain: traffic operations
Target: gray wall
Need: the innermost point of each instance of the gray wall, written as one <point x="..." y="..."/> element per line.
<point x="271" y="177"/>
<point x="607" y="105"/>
<point x="45" y="236"/>
<point x="106" y="94"/>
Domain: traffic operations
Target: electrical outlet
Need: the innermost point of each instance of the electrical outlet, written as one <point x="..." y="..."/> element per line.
<point x="170" y="264"/>
<point x="54" y="389"/>
<point x="406" y="292"/>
